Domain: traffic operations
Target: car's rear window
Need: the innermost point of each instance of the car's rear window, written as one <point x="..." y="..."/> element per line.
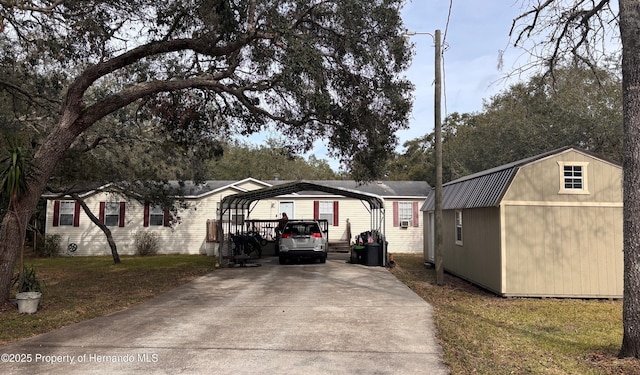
<point x="295" y="229"/>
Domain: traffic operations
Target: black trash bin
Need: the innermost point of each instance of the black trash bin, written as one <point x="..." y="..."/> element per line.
<point x="372" y="254"/>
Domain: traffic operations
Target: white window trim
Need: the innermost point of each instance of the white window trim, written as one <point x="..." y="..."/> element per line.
<point x="71" y="214"/>
<point x="402" y="210"/>
<point x="585" y="177"/>
<point x="155" y="211"/>
<point x="112" y="209"/>
<point x="457" y="214"/>
<point x="325" y="211"/>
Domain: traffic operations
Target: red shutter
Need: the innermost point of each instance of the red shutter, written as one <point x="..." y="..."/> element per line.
<point x="316" y="210"/>
<point x="145" y="221"/>
<point x="167" y="218"/>
<point x="396" y="220"/>
<point x="76" y="215"/>
<point x="336" y="221"/>
<point x="122" y="206"/>
<point x="101" y="212"/>
<point x="56" y="213"/>
<point x="416" y="214"/>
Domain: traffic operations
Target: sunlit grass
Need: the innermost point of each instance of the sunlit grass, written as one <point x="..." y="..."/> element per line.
<point x="485" y="334"/>
<point x="479" y="332"/>
<point x="80" y="288"/>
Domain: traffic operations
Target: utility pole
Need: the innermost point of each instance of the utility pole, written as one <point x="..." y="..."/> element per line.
<point x="438" y="190"/>
<point x="437" y="112"/>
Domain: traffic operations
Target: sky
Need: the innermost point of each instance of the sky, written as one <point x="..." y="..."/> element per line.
<point x="474" y="33"/>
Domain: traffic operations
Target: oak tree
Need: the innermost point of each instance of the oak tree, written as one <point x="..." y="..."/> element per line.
<point x="318" y="69"/>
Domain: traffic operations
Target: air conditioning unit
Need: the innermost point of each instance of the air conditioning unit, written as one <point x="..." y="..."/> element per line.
<point x="404" y="224"/>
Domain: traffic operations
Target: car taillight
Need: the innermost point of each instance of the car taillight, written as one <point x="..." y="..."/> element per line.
<point x="316" y="235"/>
<point x="286" y="235"/>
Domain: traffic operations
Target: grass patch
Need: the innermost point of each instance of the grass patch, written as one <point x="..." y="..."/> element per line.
<point x="81" y="288"/>
<point x="482" y="333"/>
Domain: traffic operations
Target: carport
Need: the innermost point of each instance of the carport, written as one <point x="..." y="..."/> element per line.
<point x="243" y="203"/>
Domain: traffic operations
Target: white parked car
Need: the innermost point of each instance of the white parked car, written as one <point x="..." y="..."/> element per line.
<point x="303" y="239"/>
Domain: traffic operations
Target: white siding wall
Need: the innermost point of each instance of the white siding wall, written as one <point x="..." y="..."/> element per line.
<point x="188" y="235"/>
<point x="404" y="240"/>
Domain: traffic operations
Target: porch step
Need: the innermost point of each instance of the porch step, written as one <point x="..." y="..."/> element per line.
<point x="339" y="247"/>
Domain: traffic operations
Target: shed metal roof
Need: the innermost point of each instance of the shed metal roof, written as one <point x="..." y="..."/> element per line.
<point x="486" y="188"/>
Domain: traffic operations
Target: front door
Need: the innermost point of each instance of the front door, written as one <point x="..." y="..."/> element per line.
<point x="286" y="207"/>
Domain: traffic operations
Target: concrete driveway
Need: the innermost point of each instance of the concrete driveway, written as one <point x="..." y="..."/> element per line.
<point x="333" y="318"/>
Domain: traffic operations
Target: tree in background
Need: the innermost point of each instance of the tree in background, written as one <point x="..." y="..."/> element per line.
<point x="416" y="163"/>
<point x="574" y="107"/>
<point x="581" y="30"/>
<point x="317" y="70"/>
<point x="272" y="160"/>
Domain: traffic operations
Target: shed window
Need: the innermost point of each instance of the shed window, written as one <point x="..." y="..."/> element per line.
<point x="458" y="227"/>
<point x="573" y="178"/>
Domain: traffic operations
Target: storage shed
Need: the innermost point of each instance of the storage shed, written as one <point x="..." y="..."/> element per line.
<point x="545" y="226"/>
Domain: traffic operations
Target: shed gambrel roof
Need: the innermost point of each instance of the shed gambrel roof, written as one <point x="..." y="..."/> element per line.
<point x="486" y="188"/>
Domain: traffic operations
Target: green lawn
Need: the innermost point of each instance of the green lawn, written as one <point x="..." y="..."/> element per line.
<point x="485" y="334"/>
<point x="479" y="332"/>
<point x="80" y="288"/>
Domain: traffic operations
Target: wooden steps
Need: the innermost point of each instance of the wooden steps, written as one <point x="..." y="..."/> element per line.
<point x="339" y="247"/>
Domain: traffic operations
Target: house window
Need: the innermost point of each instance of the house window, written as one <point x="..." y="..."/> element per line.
<point x="326" y="211"/>
<point x="67" y="209"/>
<point x="573" y="178"/>
<point x="112" y="214"/>
<point x="237" y="219"/>
<point x="458" y="227"/>
<point x="405" y="212"/>
<point x="156" y="216"/>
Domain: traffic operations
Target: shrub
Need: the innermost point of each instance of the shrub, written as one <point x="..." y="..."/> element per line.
<point x="146" y="243"/>
<point x="27" y="281"/>
<point x="48" y="246"/>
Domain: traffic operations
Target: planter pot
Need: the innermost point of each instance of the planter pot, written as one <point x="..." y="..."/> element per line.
<point x="28" y="302"/>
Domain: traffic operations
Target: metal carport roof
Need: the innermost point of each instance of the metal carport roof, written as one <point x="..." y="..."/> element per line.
<point x="243" y="200"/>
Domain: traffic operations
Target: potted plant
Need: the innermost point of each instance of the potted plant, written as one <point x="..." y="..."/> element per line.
<point x="29" y="291"/>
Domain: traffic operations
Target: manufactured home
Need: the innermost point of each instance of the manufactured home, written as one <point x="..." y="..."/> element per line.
<point x="545" y="226"/>
<point x="189" y="230"/>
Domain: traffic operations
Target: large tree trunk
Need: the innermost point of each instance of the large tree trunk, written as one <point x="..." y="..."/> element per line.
<point x="44" y="163"/>
<point x="630" y="33"/>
